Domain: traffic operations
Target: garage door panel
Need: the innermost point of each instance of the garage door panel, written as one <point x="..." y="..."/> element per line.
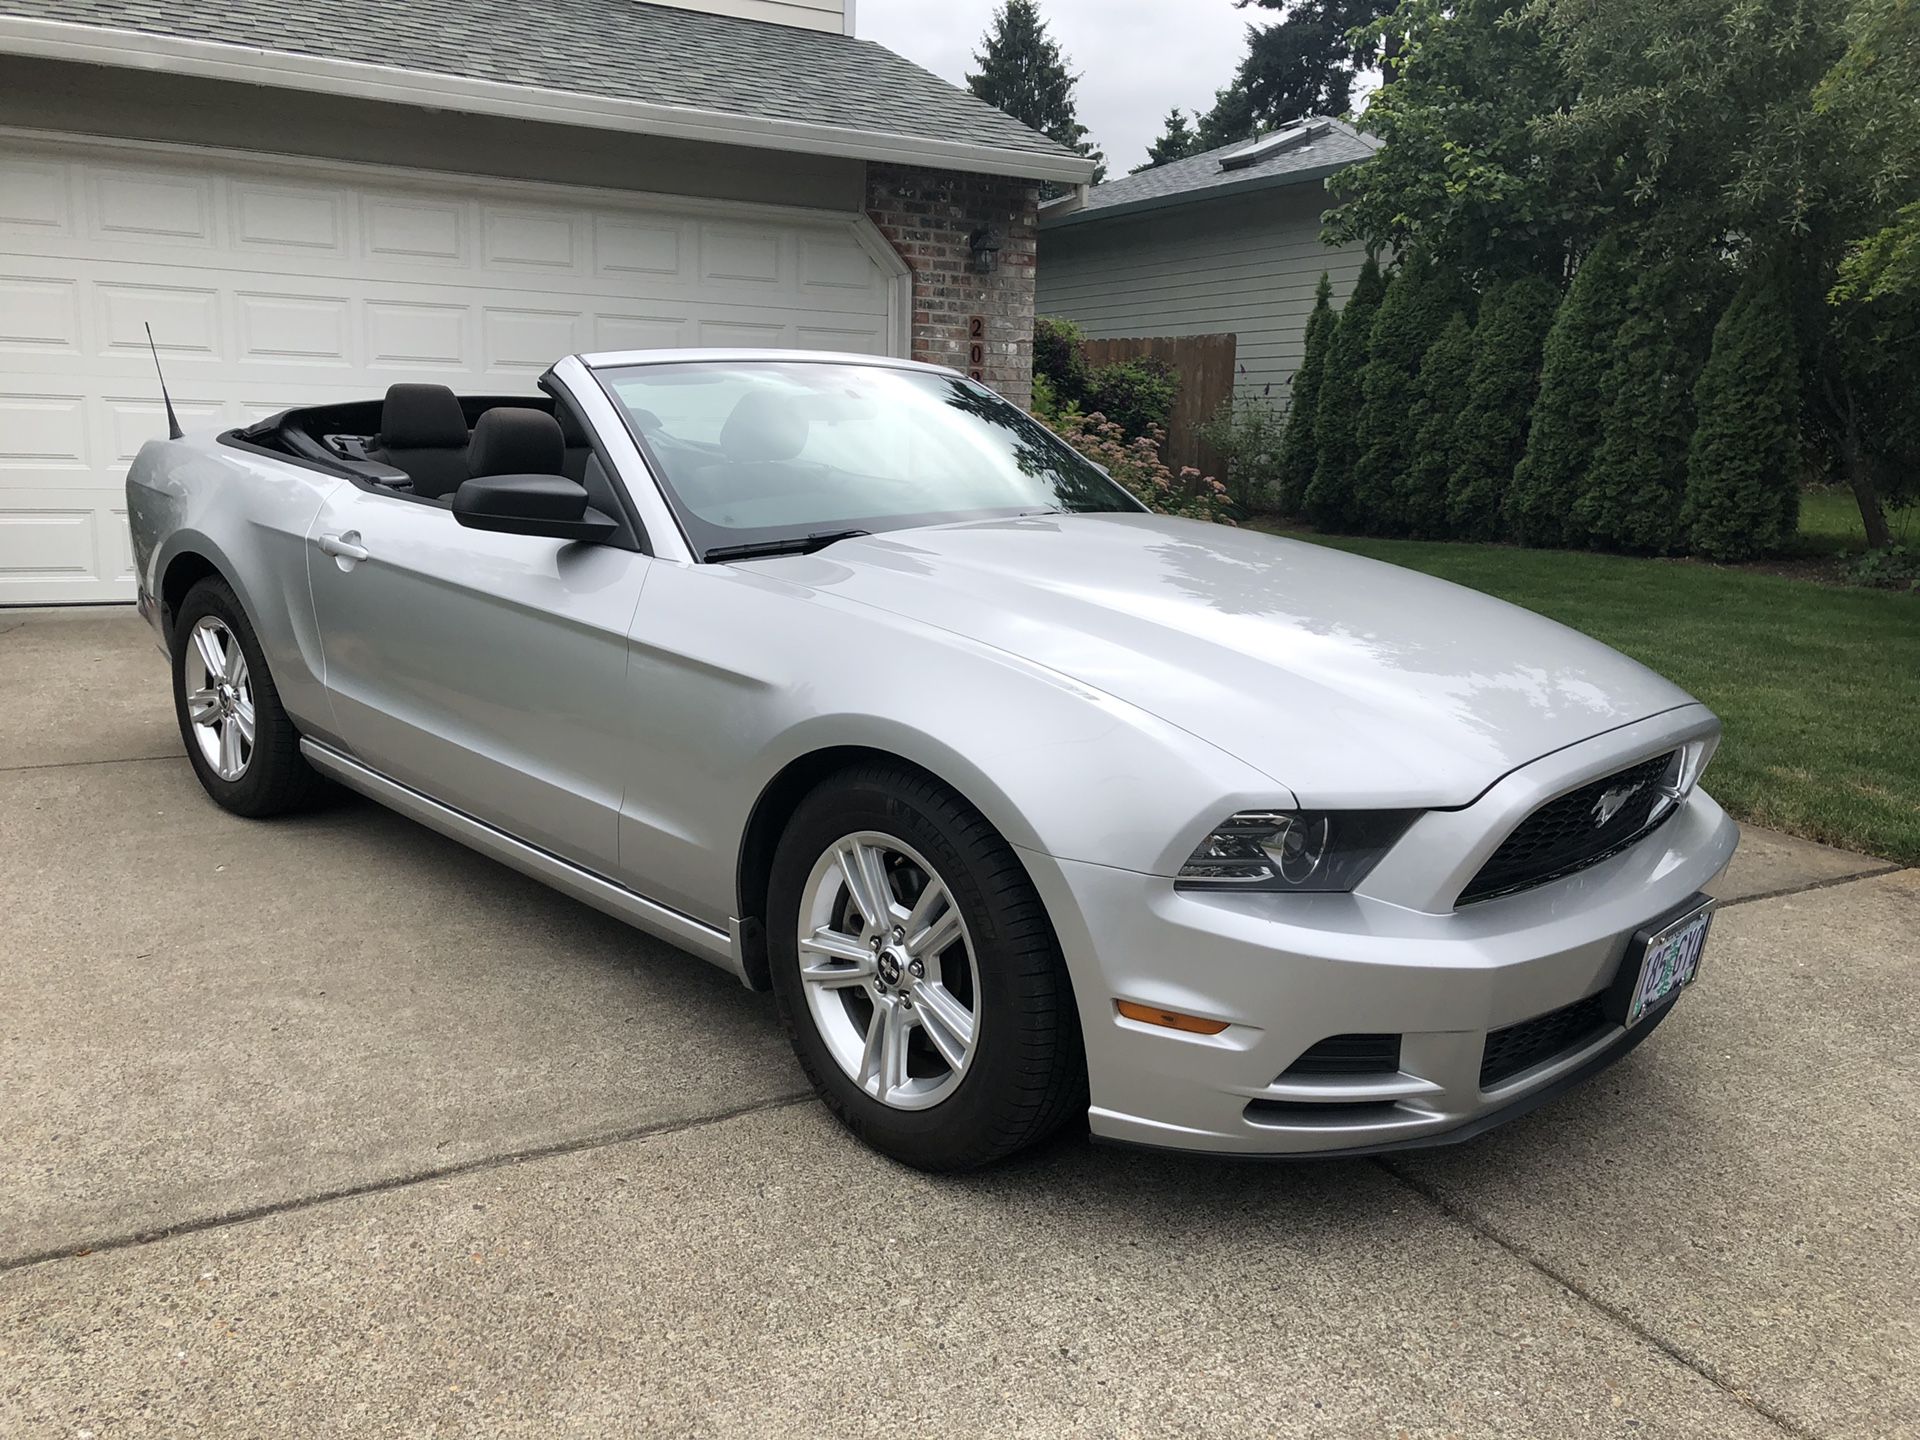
<point x="327" y="283"/>
<point x="39" y="314"/>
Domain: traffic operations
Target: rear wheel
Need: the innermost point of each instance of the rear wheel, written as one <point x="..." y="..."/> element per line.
<point x="917" y="975"/>
<point x="240" y="742"/>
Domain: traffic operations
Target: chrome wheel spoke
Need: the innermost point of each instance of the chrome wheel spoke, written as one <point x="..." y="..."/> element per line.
<point x="834" y="961"/>
<point x="212" y="654"/>
<point x="202" y="706"/>
<point x="230" y="761"/>
<point x="243" y="718"/>
<point x="893" y="1050"/>
<point x="931" y="941"/>
<point x="864" y="870"/>
<point x="871" y="1057"/>
<point x="948" y="1023"/>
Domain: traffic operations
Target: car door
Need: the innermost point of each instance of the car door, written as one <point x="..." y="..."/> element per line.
<point x="487" y="670"/>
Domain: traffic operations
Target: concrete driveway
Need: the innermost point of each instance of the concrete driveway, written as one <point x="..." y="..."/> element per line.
<point x="329" y="1127"/>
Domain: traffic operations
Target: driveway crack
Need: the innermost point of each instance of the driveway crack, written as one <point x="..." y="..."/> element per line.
<point x="223" y="1219"/>
<point x="1786" y="1424"/>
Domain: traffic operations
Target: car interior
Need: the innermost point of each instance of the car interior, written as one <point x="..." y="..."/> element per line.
<point x="421" y="442"/>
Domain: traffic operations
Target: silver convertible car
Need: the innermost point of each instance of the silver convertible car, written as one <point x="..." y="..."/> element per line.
<point x="1026" y="803"/>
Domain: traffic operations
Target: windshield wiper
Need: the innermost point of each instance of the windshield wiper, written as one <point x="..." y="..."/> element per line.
<point x="792" y="545"/>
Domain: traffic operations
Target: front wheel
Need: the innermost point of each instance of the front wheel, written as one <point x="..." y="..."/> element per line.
<point x="917" y="975"/>
<point x="240" y="742"/>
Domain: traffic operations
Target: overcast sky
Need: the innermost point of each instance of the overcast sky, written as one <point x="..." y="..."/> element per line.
<point x="1136" y="59"/>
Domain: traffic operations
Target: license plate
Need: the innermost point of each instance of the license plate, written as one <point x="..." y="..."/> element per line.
<point x="1668" y="963"/>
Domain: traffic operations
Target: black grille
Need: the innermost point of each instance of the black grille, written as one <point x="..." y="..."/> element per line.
<point x="1518" y="1047"/>
<point x="1567" y="834"/>
<point x="1350" y="1055"/>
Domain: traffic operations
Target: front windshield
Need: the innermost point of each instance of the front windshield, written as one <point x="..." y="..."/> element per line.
<point x="757" y="451"/>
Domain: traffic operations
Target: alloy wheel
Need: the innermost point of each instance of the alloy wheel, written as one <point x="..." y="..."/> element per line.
<point x="889" y="971"/>
<point x="221" y="707"/>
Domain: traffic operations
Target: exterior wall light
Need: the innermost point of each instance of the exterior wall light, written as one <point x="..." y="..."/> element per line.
<point x="984" y="243"/>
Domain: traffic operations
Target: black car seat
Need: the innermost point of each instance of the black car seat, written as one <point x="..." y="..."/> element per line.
<point x="424" y="433"/>
<point x="510" y="440"/>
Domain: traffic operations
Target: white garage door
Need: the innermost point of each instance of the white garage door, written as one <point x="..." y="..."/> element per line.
<point x="270" y="284"/>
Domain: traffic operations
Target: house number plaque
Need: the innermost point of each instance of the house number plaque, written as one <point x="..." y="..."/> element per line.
<point x="976" y="347"/>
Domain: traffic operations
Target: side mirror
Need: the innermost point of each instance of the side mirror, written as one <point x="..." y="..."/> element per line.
<point x="549" y="505"/>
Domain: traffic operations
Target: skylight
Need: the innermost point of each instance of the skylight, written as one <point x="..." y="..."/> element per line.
<point x="1267" y="146"/>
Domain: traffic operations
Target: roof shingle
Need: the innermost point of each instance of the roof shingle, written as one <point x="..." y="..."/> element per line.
<point x="614" y="49"/>
<point x="1200" y="177"/>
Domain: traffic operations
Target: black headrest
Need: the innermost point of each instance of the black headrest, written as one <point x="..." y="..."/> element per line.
<point x="763" y="426"/>
<point x="508" y="440"/>
<point x="417" y="417"/>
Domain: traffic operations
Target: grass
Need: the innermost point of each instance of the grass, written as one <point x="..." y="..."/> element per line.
<point x="1830" y="524"/>
<point x="1819" y="687"/>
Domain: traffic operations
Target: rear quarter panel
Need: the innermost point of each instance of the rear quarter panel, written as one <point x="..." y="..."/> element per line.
<point x="248" y="516"/>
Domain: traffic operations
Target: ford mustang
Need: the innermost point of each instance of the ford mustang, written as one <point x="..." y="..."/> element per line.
<point x="1025" y="803"/>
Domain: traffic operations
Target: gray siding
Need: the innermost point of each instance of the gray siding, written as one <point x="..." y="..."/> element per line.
<point x="1246" y="266"/>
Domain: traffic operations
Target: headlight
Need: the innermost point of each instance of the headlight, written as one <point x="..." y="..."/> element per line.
<point x="1299" y="850"/>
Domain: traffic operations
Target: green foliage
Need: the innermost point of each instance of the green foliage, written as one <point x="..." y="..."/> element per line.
<point x="1336" y="424"/>
<point x="1633" y="493"/>
<point x="1412" y="314"/>
<point x="1135" y="465"/>
<point x="1743" y="474"/>
<point x="1137" y="395"/>
<point x="1059" y="360"/>
<point x="1491" y="433"/>
<point x="1895" y="568"/>
<point x="1248" y="433"/>
<point x="1571" y="410"/>
<point x="1304" y="64"/>
<point x="1023" y="73"/>
<point x="1300" y="447"/>
<point x="1461" y="177"/>
<point x="1177" y="141"/>
<point x="1421" y="493"/>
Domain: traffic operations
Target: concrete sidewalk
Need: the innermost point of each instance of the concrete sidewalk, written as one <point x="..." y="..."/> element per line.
<point x="443" y="1153"/>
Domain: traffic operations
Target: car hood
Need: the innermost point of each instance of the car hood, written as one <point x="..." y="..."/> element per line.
<point x="1349" y="681"/>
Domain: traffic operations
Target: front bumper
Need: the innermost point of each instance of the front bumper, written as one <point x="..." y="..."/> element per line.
<point x="1288" y="971"/>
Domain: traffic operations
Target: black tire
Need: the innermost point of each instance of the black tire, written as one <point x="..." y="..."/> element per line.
<point x="277" y="777"/>
<point x="1028" y="1075"/>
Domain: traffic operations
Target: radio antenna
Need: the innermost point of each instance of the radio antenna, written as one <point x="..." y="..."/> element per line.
<point x="174" y="431"/>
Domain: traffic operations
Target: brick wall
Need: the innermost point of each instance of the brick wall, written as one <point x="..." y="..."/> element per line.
<point x="927" y="216"/>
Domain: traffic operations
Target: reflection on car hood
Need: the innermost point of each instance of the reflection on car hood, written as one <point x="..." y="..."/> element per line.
<point x="1350" y="681"/>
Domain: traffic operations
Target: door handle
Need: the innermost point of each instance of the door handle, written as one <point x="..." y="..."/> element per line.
<point x="346" y="546"/>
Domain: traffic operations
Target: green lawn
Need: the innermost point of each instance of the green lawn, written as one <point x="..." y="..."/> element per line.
<point x="1819" y="686"/>
<point x="1830" y="524"/>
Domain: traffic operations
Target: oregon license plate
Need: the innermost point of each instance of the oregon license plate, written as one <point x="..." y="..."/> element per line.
<point x="1669" y="961"/>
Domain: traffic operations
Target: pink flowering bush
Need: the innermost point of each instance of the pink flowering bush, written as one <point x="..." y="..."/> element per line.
<point x="1137" y="467"/>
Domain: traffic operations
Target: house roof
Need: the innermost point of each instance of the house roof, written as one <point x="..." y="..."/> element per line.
<point x="1324" y="146"/>
<point x="614" y="64"/>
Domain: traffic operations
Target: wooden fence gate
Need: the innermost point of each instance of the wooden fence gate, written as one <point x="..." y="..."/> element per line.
<point x="1204" y="364"/>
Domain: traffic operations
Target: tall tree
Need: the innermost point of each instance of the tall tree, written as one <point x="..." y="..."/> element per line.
<point x="1177" y="141"/>
<point x="1023" y="73"/>
<point x="1743" y="480"/>
<point x="1414" y="311"/>
<point x="1422" y="487"/>
<point x="1491" y="434"/>
<point x="1631" y="496"/>
<point x="1573" y="399"/>
<point x="1336" y="423"/>
<point x="1303" y="64"/>
<point x="1299" y="449"/>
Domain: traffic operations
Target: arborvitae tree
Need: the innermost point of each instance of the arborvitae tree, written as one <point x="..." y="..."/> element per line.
<point x="1743" y="493"/>
<point x="1632" y="495"/>
<point x="1411" y="317"/>
<point x="1492" y="431"/>
<point x="1573" y="398"/>
<point x="1336" y="423"/>
<point x="1023" y="73"/>
<point x="1299" y="449"/>
<point x="1422" y="486"/>
<point x="1176" y="142"/>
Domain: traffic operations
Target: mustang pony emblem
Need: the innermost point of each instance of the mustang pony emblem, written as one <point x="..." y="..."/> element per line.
<point x="1608" y="805"/>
